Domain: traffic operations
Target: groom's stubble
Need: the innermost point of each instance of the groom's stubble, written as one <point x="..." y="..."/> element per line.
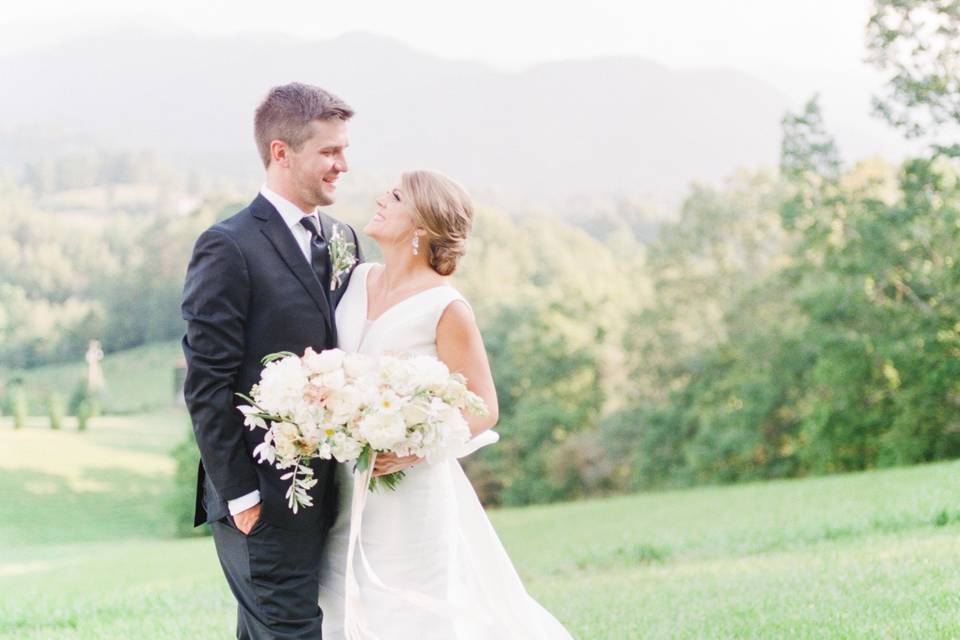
<point x="307" y="176"/>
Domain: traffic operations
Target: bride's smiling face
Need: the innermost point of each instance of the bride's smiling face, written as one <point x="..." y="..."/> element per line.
<point x="394" y="222"/>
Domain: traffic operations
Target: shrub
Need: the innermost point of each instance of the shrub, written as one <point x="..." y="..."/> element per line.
<point x="18" y="407"/>
<point x="85" y="411"/>
<point x="55" y="411"/>
<point x="83" y="405"/>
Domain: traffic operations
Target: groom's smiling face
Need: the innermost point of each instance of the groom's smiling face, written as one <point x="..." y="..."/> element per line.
<point x="315" y="168"/>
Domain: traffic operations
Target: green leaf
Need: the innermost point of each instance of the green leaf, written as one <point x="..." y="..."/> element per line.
<point x="363" y="460"/>
<point x="388" y="482"/>
<point x="276" y="356"/>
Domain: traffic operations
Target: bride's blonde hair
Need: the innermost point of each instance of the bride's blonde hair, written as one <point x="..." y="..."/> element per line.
<point x="445" y="211"/>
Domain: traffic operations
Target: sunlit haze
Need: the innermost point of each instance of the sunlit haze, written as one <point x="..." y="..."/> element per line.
<point x="798" y="48"/>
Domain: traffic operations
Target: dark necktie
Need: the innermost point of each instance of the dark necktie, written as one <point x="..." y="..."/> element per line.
<point x="319" y="254"/>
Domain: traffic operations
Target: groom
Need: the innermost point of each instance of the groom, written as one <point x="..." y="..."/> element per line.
<point x="259" y="282"/>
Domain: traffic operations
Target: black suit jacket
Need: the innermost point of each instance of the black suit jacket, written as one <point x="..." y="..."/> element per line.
<point x="249" y="292"/>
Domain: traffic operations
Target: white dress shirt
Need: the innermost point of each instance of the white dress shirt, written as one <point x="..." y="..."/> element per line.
<point x="291" y="214"/>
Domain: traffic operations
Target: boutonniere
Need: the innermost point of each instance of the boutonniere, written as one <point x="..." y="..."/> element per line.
<point x="342" y="256"/>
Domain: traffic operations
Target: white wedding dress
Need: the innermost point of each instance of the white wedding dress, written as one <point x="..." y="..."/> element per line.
<point x="440" y="571"/>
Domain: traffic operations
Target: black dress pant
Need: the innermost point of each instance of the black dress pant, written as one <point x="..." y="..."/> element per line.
<point x="274" y="574"/>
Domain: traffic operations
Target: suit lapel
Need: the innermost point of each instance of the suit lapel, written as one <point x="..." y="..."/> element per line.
<point x="279" y="235"/>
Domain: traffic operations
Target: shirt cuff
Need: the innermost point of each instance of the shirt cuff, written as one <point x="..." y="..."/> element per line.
<point x="243" y="502"/>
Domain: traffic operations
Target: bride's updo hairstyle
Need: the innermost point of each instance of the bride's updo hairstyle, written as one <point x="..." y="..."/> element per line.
<point x="444" y="209"/>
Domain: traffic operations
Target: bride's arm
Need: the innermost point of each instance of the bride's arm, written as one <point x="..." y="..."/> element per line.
<point x="460" y="347"/>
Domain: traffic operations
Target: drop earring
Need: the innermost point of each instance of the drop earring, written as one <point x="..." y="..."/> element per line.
<point x="416" y="244"/>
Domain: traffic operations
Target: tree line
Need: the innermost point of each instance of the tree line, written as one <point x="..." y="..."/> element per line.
<point x="803" y="319"/>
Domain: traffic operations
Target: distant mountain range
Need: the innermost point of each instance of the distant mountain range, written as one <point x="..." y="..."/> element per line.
<point x="593" y="127"/>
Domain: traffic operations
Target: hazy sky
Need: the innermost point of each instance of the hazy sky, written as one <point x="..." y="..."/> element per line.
<point x="814" y="34"/>
<point x="799" y="47"/>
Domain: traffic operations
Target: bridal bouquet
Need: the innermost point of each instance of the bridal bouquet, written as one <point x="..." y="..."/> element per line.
<point x="350" y="407"/>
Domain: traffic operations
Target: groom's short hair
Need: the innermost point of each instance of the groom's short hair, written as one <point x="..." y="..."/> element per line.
<point x="287" y="111"/>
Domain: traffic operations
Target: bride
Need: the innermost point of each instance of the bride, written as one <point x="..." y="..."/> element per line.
<point x="429" y="564"/>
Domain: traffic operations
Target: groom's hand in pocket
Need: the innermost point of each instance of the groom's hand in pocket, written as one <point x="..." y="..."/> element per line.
<point x="245" y="520"/>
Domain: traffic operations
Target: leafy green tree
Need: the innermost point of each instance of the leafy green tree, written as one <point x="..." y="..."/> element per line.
<point x="873" y="275"/>
<point x="547" y="392"/>
<point x="917" y="44"/>
<point x="554" y="306"/>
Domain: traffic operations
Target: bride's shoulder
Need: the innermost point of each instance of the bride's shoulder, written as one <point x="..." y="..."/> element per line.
<point x="455" y="322"/>
<point x="453" y="306"/>
<point x="358" y="279"/>
<point x="365" y="268"/>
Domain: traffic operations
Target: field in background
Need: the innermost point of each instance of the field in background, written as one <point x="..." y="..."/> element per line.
<point x="138" y="380"/>
<point x="86" y="550"/>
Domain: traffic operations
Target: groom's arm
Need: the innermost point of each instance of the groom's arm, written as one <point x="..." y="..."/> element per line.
<point x="215" y="299"/>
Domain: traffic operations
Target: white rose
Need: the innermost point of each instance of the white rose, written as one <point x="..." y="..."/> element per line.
<point x="453" y="427"/>
<point x="281" y="385"/>
<point x="345" y="448"/>
<point x="383" y="430"/>
<point x="397" y="374"/>
<point x="323" y="362"/>
<point x="306" y="413"/>
<point x="344" y="403"/>
<point x="447" y="434"/>
<point x="416" y="412"/>
<point x="335" y="379"/>
<point x="358" y="366"/>
<point x="429" y="372"/>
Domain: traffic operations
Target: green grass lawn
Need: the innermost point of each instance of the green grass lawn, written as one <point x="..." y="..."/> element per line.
<point x="87" y="550"/>
<point x="137" y="380"/>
